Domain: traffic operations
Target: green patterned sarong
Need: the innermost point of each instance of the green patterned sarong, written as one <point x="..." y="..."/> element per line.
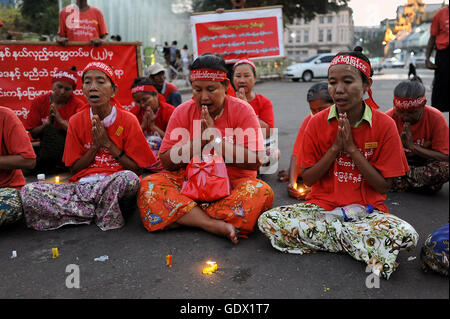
<point x="10" y="206"/>
<point x="375" y="239"/>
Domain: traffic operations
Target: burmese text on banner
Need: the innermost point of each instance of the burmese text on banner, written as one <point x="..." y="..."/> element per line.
<point x="253" y="33"/>
<point x="26" y="69"/>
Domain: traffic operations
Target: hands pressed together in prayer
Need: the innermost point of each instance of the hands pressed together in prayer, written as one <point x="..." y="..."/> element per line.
<point x="54" y="115"/>
<point x="344" y="139"/>
<point x="99" y="134"/>
<point x="207" y="122"/>
<point x="148" y="121"/>
<point x="241" y="94"/>
<point x="406" y="136"/>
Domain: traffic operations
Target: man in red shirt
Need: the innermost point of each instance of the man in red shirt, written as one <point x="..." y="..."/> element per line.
<point x="82" y="23"/>
<point x="157" y="73"/>
<point x="16" y="153"/>
<point x="439" y="39"/>
<point x="424" y="133"/>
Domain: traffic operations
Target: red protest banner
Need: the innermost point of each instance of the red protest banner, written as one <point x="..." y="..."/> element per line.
<point x="26" y="69"/>
<point x="234" y="34"/>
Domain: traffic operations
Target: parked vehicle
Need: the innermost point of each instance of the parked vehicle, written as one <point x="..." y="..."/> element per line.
<point x="312" y="68"/>
<point x="377" y="64"/>
<point x="421" y="61"/>
<point x="393" y="63"/>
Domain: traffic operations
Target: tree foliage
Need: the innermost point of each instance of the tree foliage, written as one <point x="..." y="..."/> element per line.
<point x="306" y="9"/>
<point x="12" y="20"/>
<point x="43" y="15"/>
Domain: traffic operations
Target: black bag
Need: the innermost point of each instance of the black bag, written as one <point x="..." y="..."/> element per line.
<point x="52" y="144"/>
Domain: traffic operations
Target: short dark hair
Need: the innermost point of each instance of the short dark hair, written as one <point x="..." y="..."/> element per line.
<point x="209" y="61"/>
<point x="357" y="52"/>
<point x="253" y="70"/>
<point x="319" y="88"/>
<point x="409" y="89"/>
<point x="143" y="81"/>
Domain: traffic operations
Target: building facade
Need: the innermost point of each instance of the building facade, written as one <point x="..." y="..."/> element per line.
<point x="150" y="22"/>
<point x="331" y="32"/>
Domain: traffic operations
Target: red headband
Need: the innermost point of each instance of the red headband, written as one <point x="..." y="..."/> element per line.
<point x="354" y="61"/>
<point x="103" y="68"/>
<point x="143" y="88"/>
<point x="362" y="66"/>
<point x="68" y="76"/>
<point x="245" y="61"/>
<point x="408" y="104"/>
<point x="208" y="75"/>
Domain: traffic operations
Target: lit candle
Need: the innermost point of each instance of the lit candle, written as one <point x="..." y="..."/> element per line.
<point x="169" y="260"/>
<point x="57" y="179"/>
<point x="212" y="267"/>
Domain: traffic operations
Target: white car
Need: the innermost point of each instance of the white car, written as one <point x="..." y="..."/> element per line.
<point x="376" y="64"/>
<point x="393" y="63"/>
<point x="315" y="67"/>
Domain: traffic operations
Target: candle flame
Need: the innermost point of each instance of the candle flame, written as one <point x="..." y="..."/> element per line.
<point x="212" y="267"/>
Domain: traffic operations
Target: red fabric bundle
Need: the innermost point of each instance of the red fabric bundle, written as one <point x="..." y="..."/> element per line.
<point x="206" y="180"/>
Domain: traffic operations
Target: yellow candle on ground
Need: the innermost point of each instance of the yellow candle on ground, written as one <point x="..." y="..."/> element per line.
<point x="169" y="260"/>
<point x="55" y="253"/>
<point x="212" y="267"/>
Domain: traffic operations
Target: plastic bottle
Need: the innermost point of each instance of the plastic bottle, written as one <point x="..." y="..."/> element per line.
<point x="351" y="212"/>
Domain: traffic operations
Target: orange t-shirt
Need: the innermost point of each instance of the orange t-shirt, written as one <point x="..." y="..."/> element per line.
<point x="344" y="184"/>
<point x="298" y="140"/>
<point x="81" y="26"/>
<point x="169" y="89"/>
<point x="431" y="131"/>
<point x="263" y="109"/>
<point x="125" y="132"/>
<point x="14" y="141"/>
<point x="439" y="28"/>
<point x="237" y="120"/>
<point x="40" y="107"/>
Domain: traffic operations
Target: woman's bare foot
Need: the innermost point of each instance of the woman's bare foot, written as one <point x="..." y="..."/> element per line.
<point x="222" y="228"/>
<point x="198" y="218"/>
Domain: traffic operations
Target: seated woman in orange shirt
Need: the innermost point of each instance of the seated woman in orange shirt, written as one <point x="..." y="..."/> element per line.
<point x="161" y="203"/>
<point x="319" y="99"/>
<point x="244" y="80"/>
<point x="105" y="150"/>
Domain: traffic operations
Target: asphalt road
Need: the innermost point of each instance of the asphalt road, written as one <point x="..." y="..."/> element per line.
<point x="136" y="265"/>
